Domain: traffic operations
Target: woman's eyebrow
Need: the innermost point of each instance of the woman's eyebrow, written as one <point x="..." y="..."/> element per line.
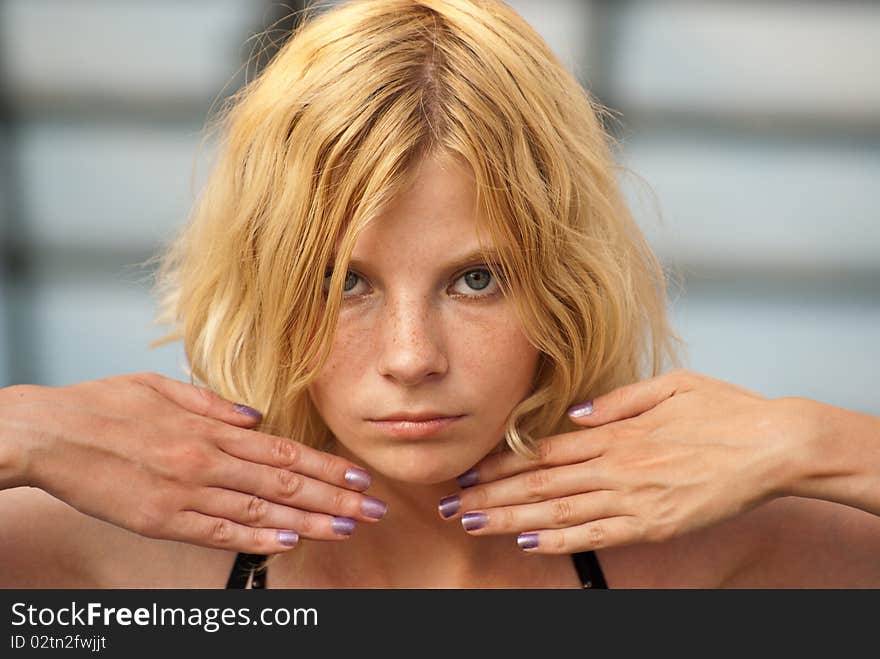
<point x="469" y="258"/>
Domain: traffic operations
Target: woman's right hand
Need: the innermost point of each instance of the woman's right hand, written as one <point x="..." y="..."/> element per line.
<point x="170" y="460"/>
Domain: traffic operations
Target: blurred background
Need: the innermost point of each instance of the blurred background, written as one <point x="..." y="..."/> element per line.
<point x="752" y="130"/>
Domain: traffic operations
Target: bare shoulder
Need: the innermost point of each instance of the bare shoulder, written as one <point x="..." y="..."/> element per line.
<point x="787" y="543"/>
<point x="48" y="544"/>
<point x="809" y="543"/>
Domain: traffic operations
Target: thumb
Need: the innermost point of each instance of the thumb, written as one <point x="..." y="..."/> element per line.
<point x="201" y="400"/>
<point x="629" y="400"/>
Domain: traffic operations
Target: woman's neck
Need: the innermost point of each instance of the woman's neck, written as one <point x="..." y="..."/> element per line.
<point x="413" y="547"/>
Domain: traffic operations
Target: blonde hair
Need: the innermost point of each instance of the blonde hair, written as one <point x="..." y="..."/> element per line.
<point x="327" y="134"/>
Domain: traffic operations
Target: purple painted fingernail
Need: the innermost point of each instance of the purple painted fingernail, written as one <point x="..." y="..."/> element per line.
<point x="527" y="540"/>
<point x="582" y="409"/>
<point x="372" y="507"/>
<point x="343" y="525"/>
<point x="288" y="538"/>
<point x="449" y="505"/>
<point x="358" y="478"/>
<point x="474" y="521"/>
<point x="468" y="478"/>
<point x="247" y="411"/>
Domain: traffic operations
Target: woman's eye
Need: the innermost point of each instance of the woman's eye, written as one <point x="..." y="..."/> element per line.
<point x="478" y="279"/>
<point x="477" y="282"/>
<point x="351" y="280"/>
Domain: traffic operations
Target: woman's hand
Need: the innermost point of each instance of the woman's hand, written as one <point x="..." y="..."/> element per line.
<point x="657" y="459"/>
<point x="169" y="460"/>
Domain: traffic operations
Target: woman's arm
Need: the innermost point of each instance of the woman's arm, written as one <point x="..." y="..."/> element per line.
<point x="809" y="539"/>
<point x="172" y="461"/>
<point x="840" y="456"/>
<point x="677" y="455"/>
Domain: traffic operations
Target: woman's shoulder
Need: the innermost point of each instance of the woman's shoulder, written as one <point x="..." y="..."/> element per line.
<point x="810" y="543"/>
<point x="790" y="542"/>
<point x="49" y="544"/>
<point x="700" y="559"/>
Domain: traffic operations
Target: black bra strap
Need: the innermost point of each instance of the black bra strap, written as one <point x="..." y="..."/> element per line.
<point x="589" y="570"/>
<point x="245" y="564"/>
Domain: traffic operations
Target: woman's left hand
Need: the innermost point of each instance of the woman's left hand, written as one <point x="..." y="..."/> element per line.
<point x="655" y="459"/>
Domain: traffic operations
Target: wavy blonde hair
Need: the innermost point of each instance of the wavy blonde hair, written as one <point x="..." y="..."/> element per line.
<point x="315" y="147"/>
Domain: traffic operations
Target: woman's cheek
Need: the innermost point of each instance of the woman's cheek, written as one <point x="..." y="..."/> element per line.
<point x="503" y="361"/>
<point x="331" y="389"/>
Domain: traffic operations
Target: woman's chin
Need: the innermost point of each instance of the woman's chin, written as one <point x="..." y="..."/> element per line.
<point x="416" y="463"/>
<point x="413" y="468"/>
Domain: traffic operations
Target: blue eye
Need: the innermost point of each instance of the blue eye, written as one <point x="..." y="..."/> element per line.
<point x="478" y="279"/>
<point x="351" y="280"/>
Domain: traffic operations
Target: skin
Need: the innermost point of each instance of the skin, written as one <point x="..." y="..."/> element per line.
<point x="705" y="478"/>
<point x="667" y="493"/>
<point x="412" y="335"/>
<point x="209" y="481"/>
<point x="677" y="481"/>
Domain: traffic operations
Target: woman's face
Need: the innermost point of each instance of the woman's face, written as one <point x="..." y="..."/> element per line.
<point x="423" y="331"/>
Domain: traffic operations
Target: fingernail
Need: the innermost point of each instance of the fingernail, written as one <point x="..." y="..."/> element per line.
<point x="343" y="525"/>
<point x="288" y="538"/>
<point x="527" y="540"/>
<point x="372" y="507"/>
<point x="474" y="521"/>
<point x="468" y="478"/>
<point x="582" y="409"/>
<point x="358" y="478"/>
<point x="247" y="411"/>
<point x="449" y="505"/>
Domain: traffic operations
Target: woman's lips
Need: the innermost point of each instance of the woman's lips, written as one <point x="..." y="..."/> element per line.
<point x="414" y="429"/>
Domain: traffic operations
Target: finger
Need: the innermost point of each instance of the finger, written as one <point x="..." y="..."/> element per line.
<point x="612" y="531"/>
<point x="294" y="489"/>
<point x="631" y="400"/>
<point x="528" y="487"/>
<point x="253" y="511"/>
<point x="201" y="400"/>
<point x="195" y="528"/>
<point x="553" y="514"/>
<point x="567" y="448"/>
<point x="274" y="451"/>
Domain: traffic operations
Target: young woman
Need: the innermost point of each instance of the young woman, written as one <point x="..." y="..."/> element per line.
<point x="413" y="258"/>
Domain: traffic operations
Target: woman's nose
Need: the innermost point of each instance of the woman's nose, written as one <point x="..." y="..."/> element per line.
<point x="411" y="345"/>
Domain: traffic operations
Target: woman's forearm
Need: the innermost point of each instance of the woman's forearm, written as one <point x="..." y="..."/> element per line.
<point x="840" y="460"/>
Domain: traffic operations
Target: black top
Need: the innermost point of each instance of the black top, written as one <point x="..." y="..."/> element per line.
<point x="586" y="564"/>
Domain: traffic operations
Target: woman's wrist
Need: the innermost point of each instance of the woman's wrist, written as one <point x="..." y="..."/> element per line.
<point x="14" y="454"/>
<point x="835" y="455"/>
